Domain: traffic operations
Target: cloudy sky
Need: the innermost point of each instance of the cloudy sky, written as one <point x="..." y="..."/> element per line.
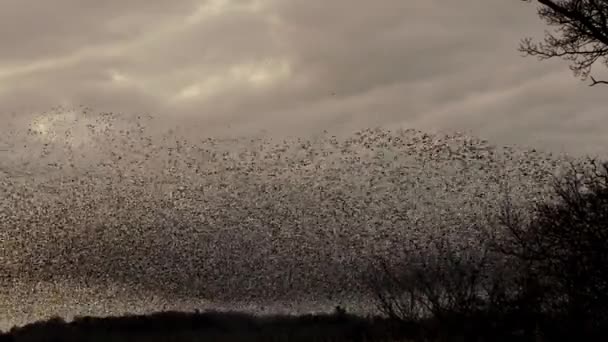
<point x="300" y="66"/>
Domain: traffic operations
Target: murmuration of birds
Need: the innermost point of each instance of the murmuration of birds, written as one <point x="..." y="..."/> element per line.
<point x="104" y="198"/>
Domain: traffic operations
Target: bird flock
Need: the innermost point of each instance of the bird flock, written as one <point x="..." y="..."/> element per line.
<point x="99" y="200"/>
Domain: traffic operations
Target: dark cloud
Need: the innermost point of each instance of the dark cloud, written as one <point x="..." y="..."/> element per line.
<point x="278" y="65"/>
<point x="274" y="64"/>
<point x="31" y="30"/>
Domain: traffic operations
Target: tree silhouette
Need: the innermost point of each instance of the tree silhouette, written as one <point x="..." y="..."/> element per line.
<point x="565" y="246"/>
<point x="581" y="36"/>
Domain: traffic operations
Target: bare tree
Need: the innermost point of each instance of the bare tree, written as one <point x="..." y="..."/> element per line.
<point x="565" y="247"/>
<point x="581" y="36"/>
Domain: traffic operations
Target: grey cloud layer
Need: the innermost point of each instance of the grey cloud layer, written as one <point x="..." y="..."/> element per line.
<point x="300" y="66"/>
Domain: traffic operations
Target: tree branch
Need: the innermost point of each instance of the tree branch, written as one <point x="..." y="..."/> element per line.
<point x="594" y="82"/>
<point x="579" y="17"/>
<point x="581" y="36"/>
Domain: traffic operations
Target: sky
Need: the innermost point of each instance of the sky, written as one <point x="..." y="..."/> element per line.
<point x="300" y="66"/>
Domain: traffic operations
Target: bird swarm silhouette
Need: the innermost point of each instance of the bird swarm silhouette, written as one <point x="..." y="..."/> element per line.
<point x="107" y="201"/>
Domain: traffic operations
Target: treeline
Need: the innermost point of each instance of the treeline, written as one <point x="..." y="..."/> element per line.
<point x="212" y="326"/>
<point x="540" y="274"/>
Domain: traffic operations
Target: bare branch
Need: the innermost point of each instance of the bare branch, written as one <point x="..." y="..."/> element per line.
<point x="596" y="82"/>
<point x="580" y="36"/>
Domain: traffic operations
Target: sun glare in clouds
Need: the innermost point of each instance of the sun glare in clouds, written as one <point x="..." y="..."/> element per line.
<point x="46" y="126"/>
<point x="65" y="127"/>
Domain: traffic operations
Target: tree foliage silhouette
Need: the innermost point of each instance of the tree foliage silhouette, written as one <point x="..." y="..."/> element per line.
<point x="581" y="36"/>
<point x="543" y="273"/>
<point x="565" y="246"/>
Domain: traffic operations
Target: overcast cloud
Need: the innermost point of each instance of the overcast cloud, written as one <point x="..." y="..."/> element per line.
<point x="298" y="66"/>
